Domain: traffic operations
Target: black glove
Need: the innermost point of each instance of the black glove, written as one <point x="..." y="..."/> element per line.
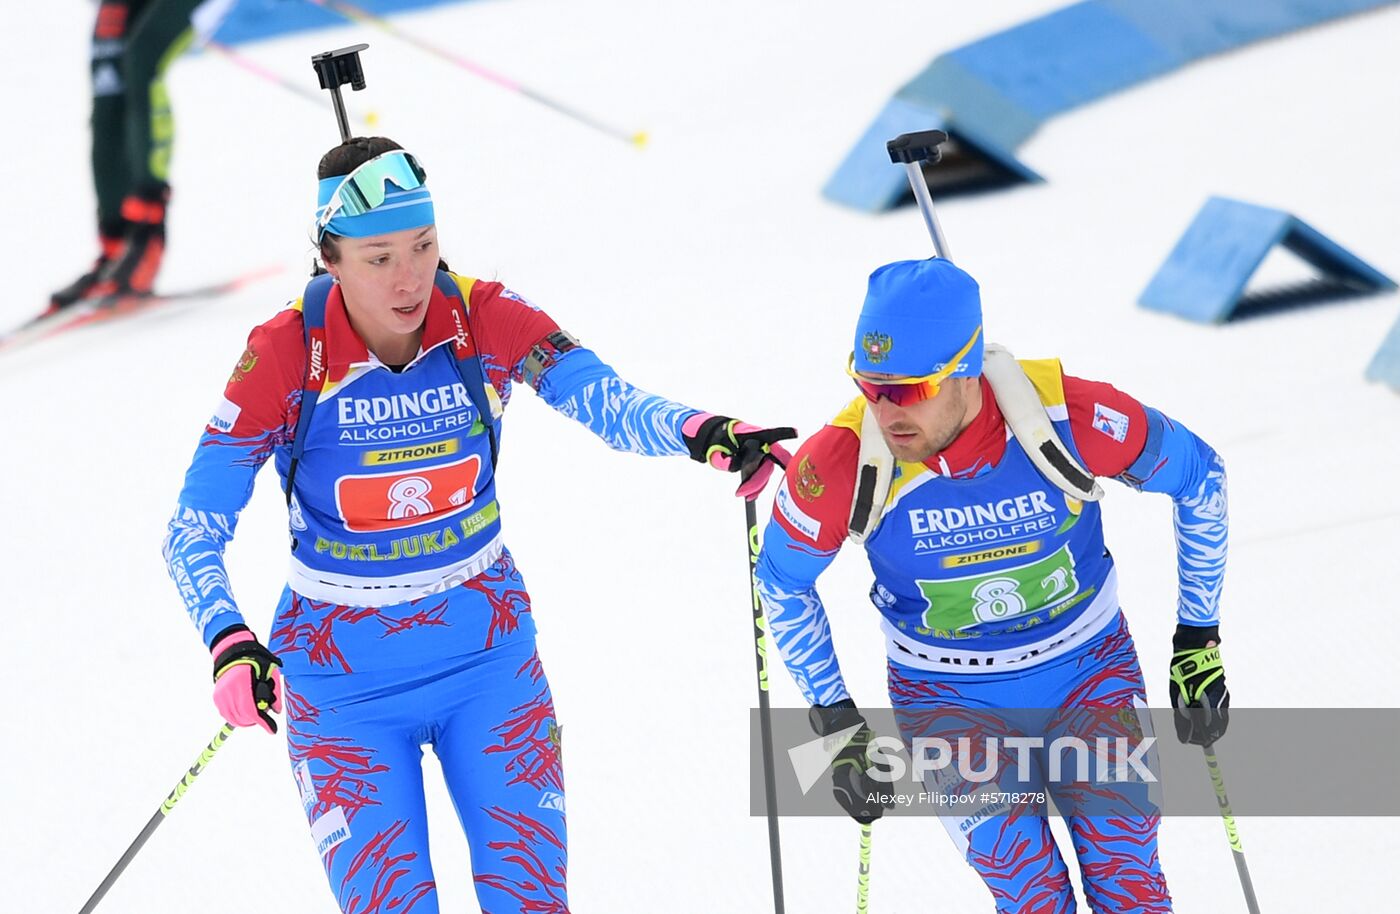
<point x="851" y="782"/>
<point x="737" y="447"/>
<point x="1200" y="700"/>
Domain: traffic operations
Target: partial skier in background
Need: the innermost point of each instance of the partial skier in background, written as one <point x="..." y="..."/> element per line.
<point x="994" y="585"/>
<point x="133" y="131"/>
<point x="405" y="622"/>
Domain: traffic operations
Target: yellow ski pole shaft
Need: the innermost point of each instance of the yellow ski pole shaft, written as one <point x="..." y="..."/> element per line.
<point x="760" y="635"/>
<point x="165" y="807"/>
<point x="1231" y="831"/>
<point x="863" y="882"/>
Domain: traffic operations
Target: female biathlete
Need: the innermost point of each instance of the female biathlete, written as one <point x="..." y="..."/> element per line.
<point x="378" y="395"/>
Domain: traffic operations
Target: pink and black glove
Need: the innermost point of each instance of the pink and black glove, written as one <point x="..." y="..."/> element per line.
<point x="737" y="447"/>
<point x="247" y="683"/>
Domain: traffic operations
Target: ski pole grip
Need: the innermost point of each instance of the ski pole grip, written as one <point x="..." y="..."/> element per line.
<point x="908" y="148"/>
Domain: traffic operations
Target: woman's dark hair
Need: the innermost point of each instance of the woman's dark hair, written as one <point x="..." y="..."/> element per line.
<point x="342" y="160"/>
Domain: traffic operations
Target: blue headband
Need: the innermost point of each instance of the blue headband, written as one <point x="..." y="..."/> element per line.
<point x="401" y="209"/>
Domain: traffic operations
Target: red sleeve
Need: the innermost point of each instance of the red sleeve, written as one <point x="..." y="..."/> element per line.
<point x="257" y="398"/>
<point x="507" y="326"/>
<point x="813" y="504"/>
<point x="1109" y="427"/>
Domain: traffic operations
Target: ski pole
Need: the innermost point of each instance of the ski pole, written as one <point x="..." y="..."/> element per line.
<point x="369" y="119"/>
<point x="195" y="770"/>
<point x="764" y="713"/>
<point x="911" y="150"/>
<point x="1231" y="832"/>
<point x="361" y="15"/>
<point x="863" y="882"/>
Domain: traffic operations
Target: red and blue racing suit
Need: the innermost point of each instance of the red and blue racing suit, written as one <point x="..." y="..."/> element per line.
<point x="995" y="590"/>
<point x="405" y="620"/>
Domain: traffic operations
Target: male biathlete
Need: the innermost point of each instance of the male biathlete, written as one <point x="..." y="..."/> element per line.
<point x="993" y="584"/>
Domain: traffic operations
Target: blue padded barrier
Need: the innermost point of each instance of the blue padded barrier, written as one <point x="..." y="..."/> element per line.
<point x="1204" y="277"/>
<point x="252" y="20"/>
<point x="1385" y="364"/>
<point x="994" y="93"/>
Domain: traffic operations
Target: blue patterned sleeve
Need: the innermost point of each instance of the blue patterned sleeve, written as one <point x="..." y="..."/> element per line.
<point x="1176" y="462"/>
<point x="218" y="484"/>
<point x="787" y="576"/>
<point x="194" y="556"/>
<point x="579" y="385"/>
<point x="253" y="422"/>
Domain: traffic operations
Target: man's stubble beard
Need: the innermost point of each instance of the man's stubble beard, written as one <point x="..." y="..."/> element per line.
<point x="921" y="450"/>
<point x="926" y="447"/>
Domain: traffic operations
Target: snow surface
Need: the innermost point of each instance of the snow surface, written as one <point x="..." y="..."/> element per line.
<point x="707" y="268"/>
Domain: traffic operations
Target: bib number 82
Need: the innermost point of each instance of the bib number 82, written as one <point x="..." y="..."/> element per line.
<point x="957" y="604"/>
<point x="996" y="599"/>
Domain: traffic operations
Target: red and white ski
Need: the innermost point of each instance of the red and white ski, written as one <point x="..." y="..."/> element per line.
<point x="100" y="310"/>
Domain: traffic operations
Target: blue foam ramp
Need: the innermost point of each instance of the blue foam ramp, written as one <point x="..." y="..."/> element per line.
<point x="253" y="20"/>
<point x="994" y="93"/>
<point x="1204" y="277"/>
<point x="1198" y="28"/>
<point x="1385" y="364"/>
<point x="876" y="189"/>
<point x="856" y="184"/>
<point x="1064" y="59"/>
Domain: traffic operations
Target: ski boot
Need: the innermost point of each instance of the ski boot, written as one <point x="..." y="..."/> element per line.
<point x="112" y="245"/>
<point x="133" y="272"/>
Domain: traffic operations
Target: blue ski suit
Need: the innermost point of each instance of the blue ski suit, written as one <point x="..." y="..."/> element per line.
<point x="995" y="590"/>
<point x="405" y="621"/>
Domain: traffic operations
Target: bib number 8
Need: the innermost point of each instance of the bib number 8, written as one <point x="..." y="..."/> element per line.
<point x="997" y="599"/>
<point x="408" y="498"/>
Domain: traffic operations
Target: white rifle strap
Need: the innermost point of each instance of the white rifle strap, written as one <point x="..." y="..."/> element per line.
<point x="1025" y="414"/>
<point x="874" y="473"/>
<point x="1029" y="422"/>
